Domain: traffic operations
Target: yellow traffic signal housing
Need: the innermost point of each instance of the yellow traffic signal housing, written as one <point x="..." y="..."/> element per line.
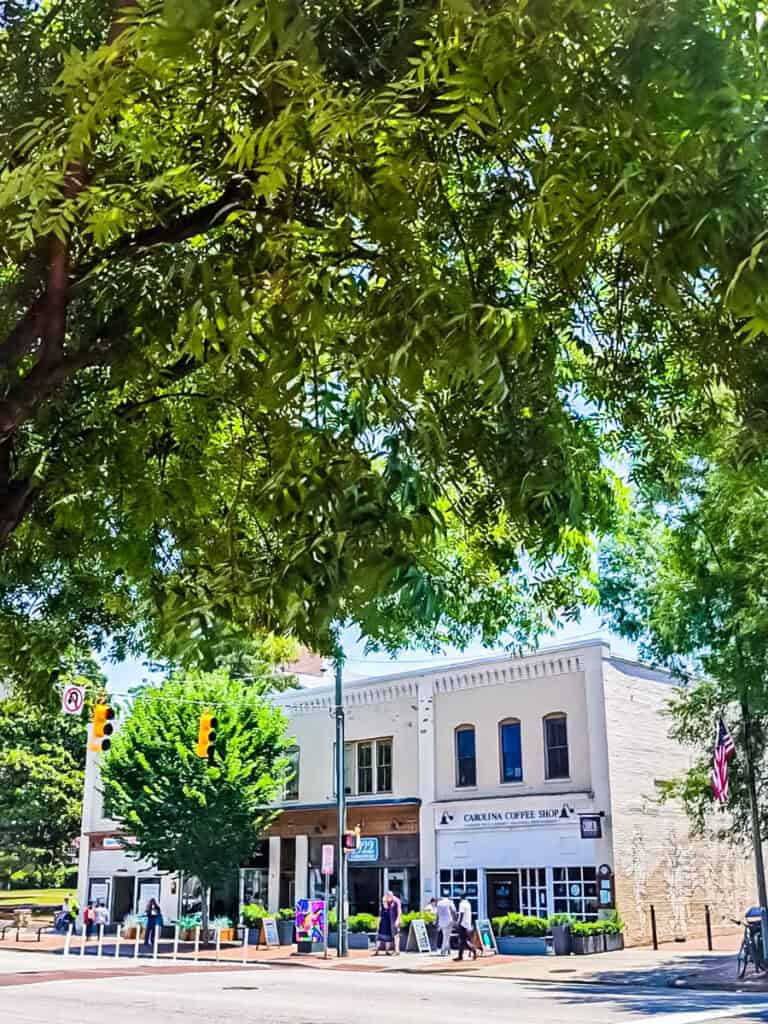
<point x="102" y="727"/>
<point x="206" y="735"/>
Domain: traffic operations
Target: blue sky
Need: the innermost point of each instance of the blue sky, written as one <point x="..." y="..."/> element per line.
<point x="122" y="677"/>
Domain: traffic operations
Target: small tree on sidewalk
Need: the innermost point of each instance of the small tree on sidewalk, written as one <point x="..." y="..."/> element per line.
<point x="187" y="813"/>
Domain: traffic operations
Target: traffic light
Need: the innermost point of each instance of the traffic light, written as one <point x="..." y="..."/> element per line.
<point x="206" y="735"/>
<point x="102" y="727"/>
<point x="352" y="839"/>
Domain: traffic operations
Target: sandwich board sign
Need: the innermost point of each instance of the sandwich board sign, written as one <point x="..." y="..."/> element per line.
<point x="486" y="940"/>
<point x="269" y="936"/>
<point x="418" y="938"/>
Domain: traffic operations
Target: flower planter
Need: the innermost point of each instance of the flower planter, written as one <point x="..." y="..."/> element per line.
<point x="522" y="945"/>
<point x="586" y="944"/>
<point x="561" y="939"/>
<point x="186" y="934"/>
<point x="355" y="940"/>
<point x="285" y="931"/>
<point x="227" y="935"/>
<point x="614" y="941"/>
<point x="130" y="933"/>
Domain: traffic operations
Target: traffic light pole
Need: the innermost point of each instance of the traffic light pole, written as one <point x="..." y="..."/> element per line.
<point x="341" y="809"/>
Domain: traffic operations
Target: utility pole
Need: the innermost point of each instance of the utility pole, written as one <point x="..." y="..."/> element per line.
<point x="341" y="809"/>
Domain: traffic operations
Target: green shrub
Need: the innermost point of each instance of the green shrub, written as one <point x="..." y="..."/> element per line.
<point x="253" y="914"/>
<point x="417" y="915"/>
<point x="286" y="914"/>
<point x="497" y="923"/>
<point x="363" y="923"/>
<point x="333" y="921"/>
<point x="188" y="922"/>
<point x="560" y="919"/>
<point x="221" y="922"/>
<point x="612" y="925"/>
<point x="522" y="926"/>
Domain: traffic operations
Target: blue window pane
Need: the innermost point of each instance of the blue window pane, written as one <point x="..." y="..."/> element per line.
<point x="465" y="740"/>
<point x="465" y="757"/>
<point x="511" y="753"/>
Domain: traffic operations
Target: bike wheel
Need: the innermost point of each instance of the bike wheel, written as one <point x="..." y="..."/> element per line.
<point x="742" y="960"/>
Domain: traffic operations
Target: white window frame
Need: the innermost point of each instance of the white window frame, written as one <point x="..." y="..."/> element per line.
<point x="351" y="767"/>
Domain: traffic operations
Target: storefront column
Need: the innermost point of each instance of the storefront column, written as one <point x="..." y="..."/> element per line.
<point x="427" y="837"/>
<point x="301" y="877"/>
<point x="273" y="881"/>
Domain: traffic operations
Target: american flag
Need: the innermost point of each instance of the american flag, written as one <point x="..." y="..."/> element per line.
<point x="725" y="748"/>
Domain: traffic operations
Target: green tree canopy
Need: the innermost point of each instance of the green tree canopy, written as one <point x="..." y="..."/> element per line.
<point x="686" y="578"/>
<point x="303" y="304"/>
<point x="187" y="814"/>
<point x="42" y="761"/>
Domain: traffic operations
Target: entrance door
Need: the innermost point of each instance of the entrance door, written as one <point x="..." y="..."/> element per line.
<point x="503" y="893"/>
<point x="122" y="897"/>
<point x="364" y="890"/>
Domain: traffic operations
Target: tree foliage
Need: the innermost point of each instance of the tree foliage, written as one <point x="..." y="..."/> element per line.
<point x="686" y="578"/>
<point x="302" y="302"/>
<point x="187" y="814"/>
<point x="42" y="760"/>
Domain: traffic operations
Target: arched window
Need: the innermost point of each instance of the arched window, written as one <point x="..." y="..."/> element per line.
<point x="466" y="769"/>
<point x="510" y="750"/>
<point x="556" y="746"/>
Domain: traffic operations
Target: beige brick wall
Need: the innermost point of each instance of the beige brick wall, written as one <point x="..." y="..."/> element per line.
<point x="656" y="859"/>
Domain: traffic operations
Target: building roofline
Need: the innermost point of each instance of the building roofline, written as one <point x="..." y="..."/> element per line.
<point x="302" y="692"/>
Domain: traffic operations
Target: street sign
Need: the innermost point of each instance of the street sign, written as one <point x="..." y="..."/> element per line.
<point x="73" y="700"/>
<point x="485" y="937"/>
<point x="327" y="865"/>
<point x="367" y="850"/>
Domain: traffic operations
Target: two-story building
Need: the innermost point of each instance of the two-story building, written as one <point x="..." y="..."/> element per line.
<point x="526" y="782"/>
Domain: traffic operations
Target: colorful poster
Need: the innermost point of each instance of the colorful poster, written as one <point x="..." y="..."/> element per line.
<point x="310" y="920"/>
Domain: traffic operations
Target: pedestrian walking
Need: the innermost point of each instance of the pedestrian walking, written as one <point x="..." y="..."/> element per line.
<point x="89" y="920"/>
<point x="101" y="915"/>
<point x="384" y="936"/>
<point x="445" y="921"/>
<point x="397" y="918"/>
<point x="465" y="929"/>
<point x="154" y="920"/>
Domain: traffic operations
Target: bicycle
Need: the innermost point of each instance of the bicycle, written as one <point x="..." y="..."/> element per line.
<point x="751" y="950"/>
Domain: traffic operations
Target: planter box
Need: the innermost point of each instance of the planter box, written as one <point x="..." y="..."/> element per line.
<point x="522" y="945"/>
<point x="285" y="931"/>
<point x="561" y="939"/>
<point x="130" y="933"/>
<point x="355" y="940"/>
<point x="614" y="942"/>
<point x="586" y="944"/>
<point x="186" y="934"/>
<point x="226" y="935"/>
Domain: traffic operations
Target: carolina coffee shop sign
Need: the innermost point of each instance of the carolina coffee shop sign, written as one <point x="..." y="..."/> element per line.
<point x="505" y="818"/>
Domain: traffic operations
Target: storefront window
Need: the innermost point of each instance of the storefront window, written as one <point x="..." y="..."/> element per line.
<point x="575" y="892"/>
<point x="466" y="773"/>
<point x="533" y="892"/>
<point x="454" y="882"/>
<point x="556" y="746"/>
<point x="511" y="751"/>
<point x="254" y="885"/>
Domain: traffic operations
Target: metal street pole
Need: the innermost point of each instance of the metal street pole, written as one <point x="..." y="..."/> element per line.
<point x="756" y="839"/>
<point x="341" y="809"/>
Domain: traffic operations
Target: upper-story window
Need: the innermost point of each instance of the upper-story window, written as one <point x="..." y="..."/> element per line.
<point x="291" y="784"/>
<point x="466" y="764"/>
<point x="510" y="750"/>
<point x="368" y="766"/>
<point x="556" y="746"/>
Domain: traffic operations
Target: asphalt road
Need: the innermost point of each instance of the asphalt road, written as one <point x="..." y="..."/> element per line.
<point x="298" y="995"/>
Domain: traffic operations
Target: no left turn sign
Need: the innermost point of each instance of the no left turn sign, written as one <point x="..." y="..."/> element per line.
<point x="73" y="700"/>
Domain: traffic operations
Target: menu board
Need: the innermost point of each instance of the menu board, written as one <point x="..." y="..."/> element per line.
<point x="418" y="937"/>
<point x="485" y="937"/>
<point x="269" y="936"/>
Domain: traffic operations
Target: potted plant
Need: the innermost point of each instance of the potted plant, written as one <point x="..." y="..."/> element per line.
<point x="417" y="915"/>
<point x="333" y="929"/>
<point x="187" y="925"/>
<point x="286" y="921"/>
<point x="560" y="925"/>
<point x="597" y="936"/>
<point x="223" y="925"/>
<point x="253" y="915"/>
<point x="613" y="933"/>
<point x="132" y="923"/>
<point x="519" y="935"/>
